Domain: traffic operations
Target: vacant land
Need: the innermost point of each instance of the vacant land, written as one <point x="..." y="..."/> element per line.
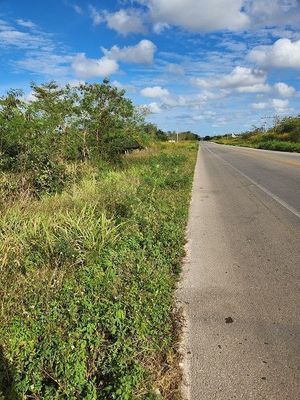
<point x="283" y="136"/>
<point x="87" y="281"/>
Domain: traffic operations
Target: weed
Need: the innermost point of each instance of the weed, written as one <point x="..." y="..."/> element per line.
<point x="88" y="277"/>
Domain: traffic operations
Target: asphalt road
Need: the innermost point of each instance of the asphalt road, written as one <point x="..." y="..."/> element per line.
<point x="241" y="282"/>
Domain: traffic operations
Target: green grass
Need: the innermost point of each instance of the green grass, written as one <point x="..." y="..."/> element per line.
<point x="283" y="136"/>
<point x="259" y="143"/>
<point x="87" y="282"/>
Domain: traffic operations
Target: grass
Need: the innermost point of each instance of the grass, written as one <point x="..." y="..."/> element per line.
<point x="267" y="145"/>
<point x="284" y="135"/>
<point x="261" y="141"/>
<point x="87" y="282"/>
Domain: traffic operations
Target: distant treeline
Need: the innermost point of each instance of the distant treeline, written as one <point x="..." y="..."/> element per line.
<point x="186" y="135"/>
<point x="284" y="135"/>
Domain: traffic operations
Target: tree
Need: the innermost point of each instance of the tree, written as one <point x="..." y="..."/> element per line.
<point x="105" y="118"/>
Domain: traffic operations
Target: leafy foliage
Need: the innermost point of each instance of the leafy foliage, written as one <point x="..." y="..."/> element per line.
<point x="283" y="136"/>
<point x="87" y="282"/>
<point x="91" y="239"/>
<point x="85" y="123"/>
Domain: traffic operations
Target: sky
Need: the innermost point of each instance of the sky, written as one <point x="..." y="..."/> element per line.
<point x="209" y="66"/>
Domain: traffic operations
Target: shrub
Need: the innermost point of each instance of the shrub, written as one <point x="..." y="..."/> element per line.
<point x="87" y="282"/>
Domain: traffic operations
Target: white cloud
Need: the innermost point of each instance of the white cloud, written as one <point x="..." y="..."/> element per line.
<point x="284" y="90"/>
<point x="282" y="54"/>
<point x="278" y="105"/>
<point x="46" y="63"/>
<point x="258" y="88"/>
<point x="175" y="69"/>
<point x="198" y="15"/>
<point x="260" y="106"/>
<point x="273" y="12"/>
<point x="155" y="92"/>
<point x="89" y="67"/>
<point x="12" y="37"/>
<point x="33" y="39"/>
<point x="26" y="23"/>
<point x="29" y="97"/>
<point x="122" y="21"/>
<point x="125" y="22"/>
<point x="142" y="53"/>
<point x="77" y="9"/>
<point x="49" y="63"/>
<point x="154" y="108"/>
<point x="41" y="54"/>
<point x="84" y="67"/>
<point x="241" y="79"/>
<point x="127" y="87"/>
<point x="203" y="83"/>
<point x="97" y="17"/>
<point x="159" y="27"/>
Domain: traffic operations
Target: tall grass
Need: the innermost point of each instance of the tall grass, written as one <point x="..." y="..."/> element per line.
<point x="87" y="279"/>
<point x="261" y="144"/>
<point x="283" y="136"/>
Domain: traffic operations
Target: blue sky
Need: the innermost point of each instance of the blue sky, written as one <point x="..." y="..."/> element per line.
<point x="213" y="67"/>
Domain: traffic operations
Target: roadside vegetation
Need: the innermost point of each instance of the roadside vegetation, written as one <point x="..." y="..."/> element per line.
<point x="284" y="135"/>
<point x="93" y="208"/>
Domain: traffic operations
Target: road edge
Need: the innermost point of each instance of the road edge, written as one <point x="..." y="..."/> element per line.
<point x="184" y="347"/>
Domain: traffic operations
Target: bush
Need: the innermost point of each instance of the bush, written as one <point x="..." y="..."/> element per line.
<point x="88" y="279"/>
<point x="280" y="146"/>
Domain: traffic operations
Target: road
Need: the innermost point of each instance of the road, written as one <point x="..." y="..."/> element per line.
<point x="241" y="280"/>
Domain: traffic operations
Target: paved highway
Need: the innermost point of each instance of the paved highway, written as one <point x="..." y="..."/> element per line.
<point x="241" y="281"/>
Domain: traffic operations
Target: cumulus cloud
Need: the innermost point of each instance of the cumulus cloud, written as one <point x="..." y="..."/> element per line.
<point x="282" y="54"/>
<point x="89" y="67"/>
<point x="241" y="79"/>
<point x="273" y="12"/>
<point x="198" y="15"/>
<point x="142" y="53"/>
<point x="278" y="105"/>
<point x="122" y="21"/>
<point x="284" y="90"/>
<point x="125" y="22"/>
<point x="154" y="108"/>
<point x="155" y="92"/>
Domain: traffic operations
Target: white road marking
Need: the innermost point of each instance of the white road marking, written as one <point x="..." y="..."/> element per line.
<point x="265" y="190"/>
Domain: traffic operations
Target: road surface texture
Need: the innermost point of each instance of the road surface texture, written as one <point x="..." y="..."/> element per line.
<point x="240" y="287"/>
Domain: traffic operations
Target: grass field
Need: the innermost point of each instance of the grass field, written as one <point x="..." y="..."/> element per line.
<point x="261" y="144"/>
<point x="87" y="281"/>
<point x="283" y="136"/>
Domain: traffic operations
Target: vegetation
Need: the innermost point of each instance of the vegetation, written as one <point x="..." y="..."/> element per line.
<point x="283" y="136"/>
<point x="86" y="123"/>
<point x="91" y="241"/>
<point x="188" y="135"/>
